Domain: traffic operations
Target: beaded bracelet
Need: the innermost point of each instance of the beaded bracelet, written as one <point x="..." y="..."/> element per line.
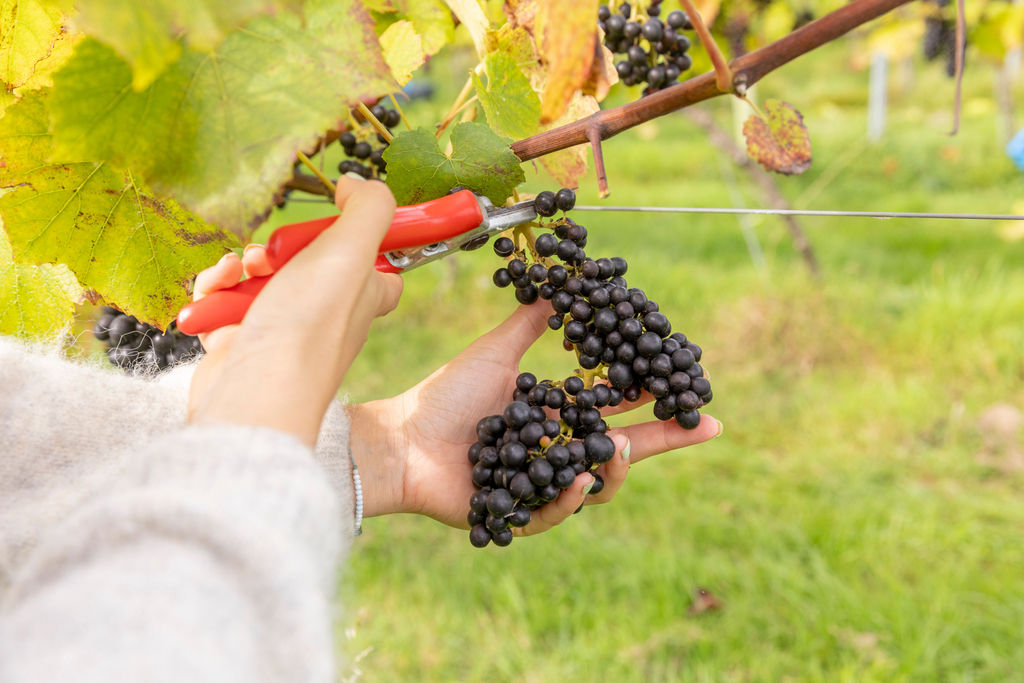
<point x="357" y="484"/>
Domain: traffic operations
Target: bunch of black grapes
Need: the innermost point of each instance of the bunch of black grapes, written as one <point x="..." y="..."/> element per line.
<point x="364" y="159"/>
<point x="654" y="51"/>
<point x="138" y="347"/>
<point x="524" y="457"/>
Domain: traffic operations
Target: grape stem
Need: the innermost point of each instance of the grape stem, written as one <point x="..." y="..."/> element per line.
<point x="526" y="230"/>
<point x="723" y="75"/>
<point x="327" y="182"/>
<point x="746" y="70"/>
<point x="590" y="375"/>
<point x="594" y="136"/>
<point x="378" y="126"/>
<point x="399" y="110"/>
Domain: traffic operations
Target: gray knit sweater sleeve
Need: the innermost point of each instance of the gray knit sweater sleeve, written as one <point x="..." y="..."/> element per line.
<point x="135" y="548"/>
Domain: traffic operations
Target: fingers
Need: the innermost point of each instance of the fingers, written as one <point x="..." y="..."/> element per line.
<point x="626" y="406"/>
<point x="517" y="333"/>
<point x="367" y="209"/>
<point x="389" y="291"/>
<point x="614" y="471"/>
<point x="651" y="438"/>
<point x="558" y="510"/>
<point x="224" y="273"/>
<point x="255" y="262"/>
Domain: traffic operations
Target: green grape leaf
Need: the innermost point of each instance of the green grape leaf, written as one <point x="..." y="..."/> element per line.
<point x="511" y="105"/>
<point x="219" y="131"/>
<point x="36" y="302"/>
<point x="149" y="35"/>
<point x="780" y="143"/>
<point x="33" y="42"/>
<point x="403" y="50"/>
<point x="480" y="160"/>
<point x="137" y="251"/>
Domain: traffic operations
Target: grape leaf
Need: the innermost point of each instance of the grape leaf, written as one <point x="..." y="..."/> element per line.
<point x="511" y="105"/>
<point x="137" y="251"/>
<point x="480" y="160"/>
<point x="33" y="42"/>
<point x="516" y="42"/>
<point x="149" y="35"/>
<point x="780" y="143"/>
<point x="403" y="50"/>
<point x="36" y="302"/>
<point x="219" y="131"/>
<point x="566" y="34"/>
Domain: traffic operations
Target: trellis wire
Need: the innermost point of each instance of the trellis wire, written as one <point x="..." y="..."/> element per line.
<point x="807" y="212"/>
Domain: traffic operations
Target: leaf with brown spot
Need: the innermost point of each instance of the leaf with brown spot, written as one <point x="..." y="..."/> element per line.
<point x="218" y="131"/>
<point x="136" y="250"/>
<point x="781" y="143"/>
<point x="565" y="33"/>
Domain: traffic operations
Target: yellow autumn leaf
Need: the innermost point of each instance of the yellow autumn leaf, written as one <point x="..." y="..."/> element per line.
<point x="403" y="50"/>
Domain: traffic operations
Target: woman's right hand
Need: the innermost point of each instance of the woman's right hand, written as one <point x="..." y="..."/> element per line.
<point x="283" y="364"/>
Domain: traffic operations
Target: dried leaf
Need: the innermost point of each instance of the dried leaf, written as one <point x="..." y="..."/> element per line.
<point x="567" y="166"/>
<point x="566" y="34"/>
<point x="602" y="74"/>
<point x="781" y="143"/>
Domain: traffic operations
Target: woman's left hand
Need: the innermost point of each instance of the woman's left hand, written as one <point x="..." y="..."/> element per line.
<point x="411" y="449"/>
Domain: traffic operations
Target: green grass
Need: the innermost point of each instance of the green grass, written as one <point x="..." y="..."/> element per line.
<point x="844" y="518"/>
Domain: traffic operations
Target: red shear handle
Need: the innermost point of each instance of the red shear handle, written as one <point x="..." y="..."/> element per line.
<point x="229" y="306"/>
<point x="412" y="226"/>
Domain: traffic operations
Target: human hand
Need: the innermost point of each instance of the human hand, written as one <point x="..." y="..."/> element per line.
<point x="411" y="449"/>
<point x="284" y="363"/>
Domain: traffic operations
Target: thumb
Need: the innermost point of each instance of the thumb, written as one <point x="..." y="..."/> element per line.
<point x="518" y="332"/>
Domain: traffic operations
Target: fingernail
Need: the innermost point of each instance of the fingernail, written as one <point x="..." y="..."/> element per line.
<point x="720" y="428"/>
<point x="251" y="245"/>
<point x="587" y="487"/>
<point x="354" y="176"/>
<point x="625" y="450"/>
<point x="226" y="256"/>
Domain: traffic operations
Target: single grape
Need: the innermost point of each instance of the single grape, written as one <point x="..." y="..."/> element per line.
<point x="565" y="199"/>
<point x="503" y="246"/>
<point x="544" y="204"/>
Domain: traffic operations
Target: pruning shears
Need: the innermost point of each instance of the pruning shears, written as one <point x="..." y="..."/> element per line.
<point x="419" y="234"/>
